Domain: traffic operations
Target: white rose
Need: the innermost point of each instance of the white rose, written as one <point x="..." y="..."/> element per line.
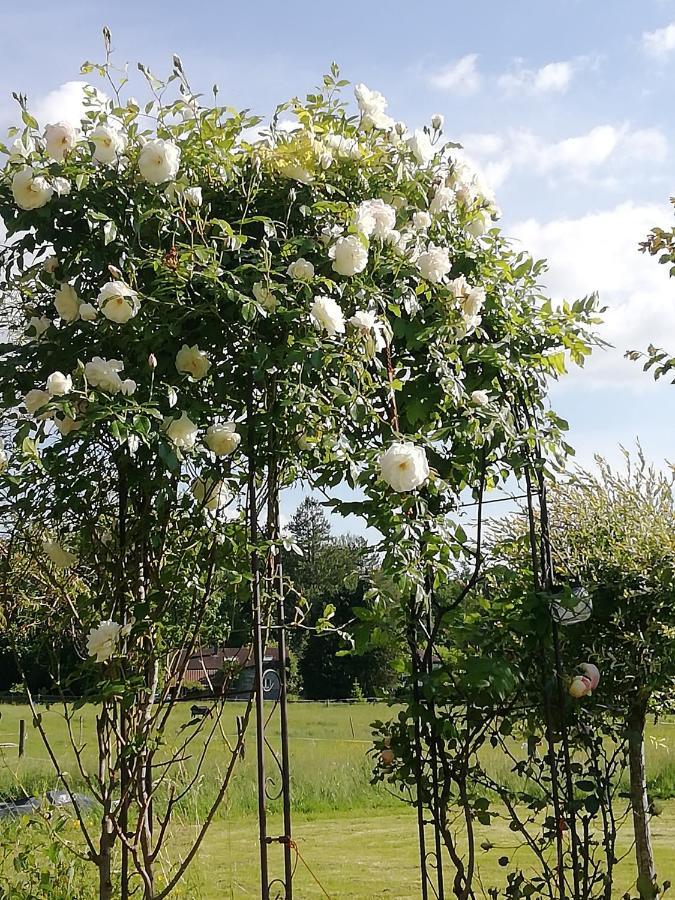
<point x="265" y="297"/>
<point x="421" y="220"/>
<point x="62" y="558"/>
<point x="376" y="218"/>
<point x="67" y="303"/>
<point x="104" y="374"/>
<point x="192" y="361"/>
<point x="39" y="325"/>
<point x="29" y="190"/>
<point x="59" y="384"/>
<point x="442" y="201"/>
<point x="21" y="148"/>
<point x="372" y="105"/>
<point x="103" y="641"/>
<point x="128" y="387"/>
<point x="404" y="466"/>
<point x="109" y="142"/>
<point x="480" y="398"/>
<point x="158" y="161"/>
<point x="297" y="172"/>
<point x="473" y="302"/>
<point x="88" y="312"/>
<point x="50" y="265"/>
<point x="366" y="322"/>
<point x="3" y="459"/>
<point x="579" y="687"/>
<point x="222" y="439"/>
<point x="343" y="146"/>
<point x="349" y="255"/>
<point x="193" y="195"/>
<point x="437" y="121"/>
<point x="326" y="314"/>
<point x="66" y="425"/>
<point x="181" y="432"/>
<point x="118" y="302"/>
<point x="420" y="146"/>
<point x="434" y="263"/>
<point x="60" y="139"/>
<point x="62" y="186"/>
<point x="209" y="493"/>
<point x="35" y="400"/>
<point x="479" y="224"/>
<point x="301" y="269"/>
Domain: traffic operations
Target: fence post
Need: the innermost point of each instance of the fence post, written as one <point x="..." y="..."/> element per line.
<point x="22" y="737"/>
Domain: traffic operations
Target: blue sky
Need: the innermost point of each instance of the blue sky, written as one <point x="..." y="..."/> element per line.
<point x="566" y="106"/>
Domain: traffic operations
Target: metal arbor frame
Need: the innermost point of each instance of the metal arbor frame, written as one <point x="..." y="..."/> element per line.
<point x="267" y="596"/>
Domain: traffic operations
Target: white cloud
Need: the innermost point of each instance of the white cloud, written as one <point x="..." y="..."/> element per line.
<point x="659" y="43"/>
<point x="554" y="77"/>
<point x="577" y="157"/>
<point x="460" y="77"/>
<point x="65" y="104"/>
<point x="599" y="252"/>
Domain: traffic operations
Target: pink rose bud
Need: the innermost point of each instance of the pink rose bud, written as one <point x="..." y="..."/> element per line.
<point x="579" y="687"/>
<point x="152" y="361"/>
<point x="592" y="673"/>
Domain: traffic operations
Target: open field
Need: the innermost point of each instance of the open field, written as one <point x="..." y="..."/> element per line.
<point x="359" y="840"/>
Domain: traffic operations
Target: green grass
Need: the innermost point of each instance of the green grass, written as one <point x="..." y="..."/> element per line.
<point x="358" y="839"/>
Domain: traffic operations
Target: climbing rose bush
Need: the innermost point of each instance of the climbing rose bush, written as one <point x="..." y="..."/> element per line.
<point x="199" y="302"/>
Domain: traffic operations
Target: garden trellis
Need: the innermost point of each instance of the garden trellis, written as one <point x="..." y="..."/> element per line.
<point x="204" y="310"/>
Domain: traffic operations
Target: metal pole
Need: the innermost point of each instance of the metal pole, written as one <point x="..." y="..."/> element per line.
<point x="418" y="752"/>
<point x="257" y="654"/>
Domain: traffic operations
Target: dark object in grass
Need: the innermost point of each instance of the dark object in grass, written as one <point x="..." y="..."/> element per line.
<point x="24" y="806"/>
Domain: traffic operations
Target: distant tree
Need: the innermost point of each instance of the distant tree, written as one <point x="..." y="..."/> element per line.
<point x="332" y="571"/>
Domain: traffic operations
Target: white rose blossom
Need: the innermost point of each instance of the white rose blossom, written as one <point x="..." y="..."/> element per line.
<point x="375" y="218"/>
<point x="35" y="400"/>
<point x="29" y="190"/>
<point x="60" y="139"/>
<point x="209" y="493"/>
<point x="66" y="424"/>
<point x="192" y="361"/>
<point x="109" y="143"/>
<point x="3" y="459"/>
<point x="327" y="315"/>
<point x="421" y="220"/>
<point x="367" y="323"/>
<point x="480" y="398"/>
<point x="88" y="312"/>
<point x="21" y="148"/>
<point x="420" y="146"/>
<point x="442" y="201"/>
<point x="193" y="196"/>
<point x="59" y="384"/>
<point x="265" y="297"/>
<point x="50" y="265"/>
<point x="39" y="325"/>
<point x="404" y="466"/>
<point x="62" y="558"/>
<point x="434" y="264"/>
<point x="104" y="374"/>
<point x="222" y="439"/>
<point x="372" y="105"/>
<point x="182" y="432"/>
<point x="301" y="270"/>
<point x="118" y="302"/>
<point x="103" y="642"/>
<point x="346" y="147"/>
<point x="67" y="303"/>
<point x="61" y="186"/>
<point x="437" y="121"/>
<point x="349" y="255"/>
<point x="159" y="161"/>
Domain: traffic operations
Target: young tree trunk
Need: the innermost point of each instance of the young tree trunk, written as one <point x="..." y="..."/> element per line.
<point x="105" y="887"/>
<point x="644" y="853"/>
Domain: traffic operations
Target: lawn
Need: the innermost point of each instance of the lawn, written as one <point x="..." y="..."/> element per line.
<point x="358" y="840"/>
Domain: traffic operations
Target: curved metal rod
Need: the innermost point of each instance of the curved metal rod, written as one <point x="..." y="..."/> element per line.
<point x="279" y="885"/>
